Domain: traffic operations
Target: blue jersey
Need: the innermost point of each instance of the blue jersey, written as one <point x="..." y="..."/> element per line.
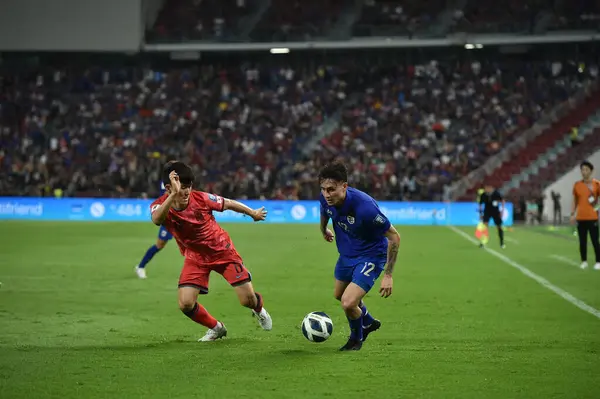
<point x="359" y="225"/>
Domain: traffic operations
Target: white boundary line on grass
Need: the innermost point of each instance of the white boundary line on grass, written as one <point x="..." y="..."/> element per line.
<point x="542" y="281"/>
<point x="512" y="240"/>
<point x="565" y="260"/>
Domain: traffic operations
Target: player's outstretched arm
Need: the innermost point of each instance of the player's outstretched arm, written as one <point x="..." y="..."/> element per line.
<point x="160" y="212"/>
<point x="256" y="214"/>
<point x="392" y="253"/>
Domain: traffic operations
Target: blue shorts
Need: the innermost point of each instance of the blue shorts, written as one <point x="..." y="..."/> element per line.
<point x="360" y="271"/>
<point x="163" y="234"/>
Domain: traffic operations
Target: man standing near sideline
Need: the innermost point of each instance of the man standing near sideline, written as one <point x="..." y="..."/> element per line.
<point x="586" y="194"/>
<point x="491" y="206"/>
<point x="556" y="208"/>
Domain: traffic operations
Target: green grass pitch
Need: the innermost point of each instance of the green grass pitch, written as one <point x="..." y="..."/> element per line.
<point x="75" y="322"/>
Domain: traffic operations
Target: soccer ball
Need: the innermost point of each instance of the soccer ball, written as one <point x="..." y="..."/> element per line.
<point x="317" y="327"/>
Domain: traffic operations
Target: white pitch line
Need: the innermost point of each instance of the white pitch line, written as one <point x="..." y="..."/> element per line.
<point x="542" y="281"/>
<point x="512" y="240"/>
<point x="565" y="260"/>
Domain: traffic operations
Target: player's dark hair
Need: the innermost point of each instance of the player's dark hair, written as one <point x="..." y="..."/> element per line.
<point x="335" y="171"/>
<point x="186" y="176"/>
<point x="588" y="164"/>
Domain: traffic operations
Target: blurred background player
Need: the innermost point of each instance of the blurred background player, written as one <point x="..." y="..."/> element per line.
<point x="163" y="238"/>
<point x="493" y="204"/>
<point x="188" y="215"/>
<point x="556" y="208"/>
<point x="584" y="211"/>
<point x="367" y="243"/>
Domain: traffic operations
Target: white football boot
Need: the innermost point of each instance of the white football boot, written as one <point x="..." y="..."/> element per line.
<point x="597" y="266"/>
<point x="584" y="265"/>
<point x="264" y="319"/>
<point x="214" y="334"/>
<point x="141" y="272"/>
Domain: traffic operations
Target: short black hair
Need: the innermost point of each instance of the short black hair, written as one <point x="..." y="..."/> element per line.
<point x="186" y="176"/>
<point x="335" y="171"/>
<point x="588" y="164"/>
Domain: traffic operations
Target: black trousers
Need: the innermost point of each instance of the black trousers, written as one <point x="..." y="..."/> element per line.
<point x="557" y="215"/>
<point x="494" y="215"/>
<point x="583" y="228"/>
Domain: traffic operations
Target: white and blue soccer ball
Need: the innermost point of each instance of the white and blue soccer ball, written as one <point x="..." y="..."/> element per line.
<point x="317" y="326"/>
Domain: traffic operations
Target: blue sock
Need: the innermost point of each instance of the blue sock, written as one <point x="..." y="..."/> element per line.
<point x="356" y="331"/>
<point x="149" y="255"/>
<point x="367" y="319"/>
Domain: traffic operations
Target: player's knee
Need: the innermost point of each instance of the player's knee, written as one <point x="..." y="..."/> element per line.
<point x="349" y="303"/>
<point x="160" y="244"/>
<point x="186" y="304"/>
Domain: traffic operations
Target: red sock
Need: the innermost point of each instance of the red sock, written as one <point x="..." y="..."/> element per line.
<point x="201" y="316"/>
<point x="258" y="307"/>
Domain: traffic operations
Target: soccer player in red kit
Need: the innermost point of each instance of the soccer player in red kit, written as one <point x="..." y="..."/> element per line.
<point x="188" y="215"/>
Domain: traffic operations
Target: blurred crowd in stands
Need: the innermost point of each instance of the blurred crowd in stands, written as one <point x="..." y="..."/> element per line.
<point x="253" y="131"/>
<point x="286" y="20"/>
<point x="263" y="129"/>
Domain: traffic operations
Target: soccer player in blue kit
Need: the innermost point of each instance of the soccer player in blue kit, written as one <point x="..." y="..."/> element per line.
<point x="163" y="238"/>
<point x="367" y="243"/>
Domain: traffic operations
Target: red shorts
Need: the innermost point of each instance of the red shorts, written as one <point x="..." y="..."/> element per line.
<point x="195" y="274"/>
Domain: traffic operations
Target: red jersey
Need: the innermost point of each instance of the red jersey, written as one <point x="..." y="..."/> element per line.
<point x="197" y="232"/>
